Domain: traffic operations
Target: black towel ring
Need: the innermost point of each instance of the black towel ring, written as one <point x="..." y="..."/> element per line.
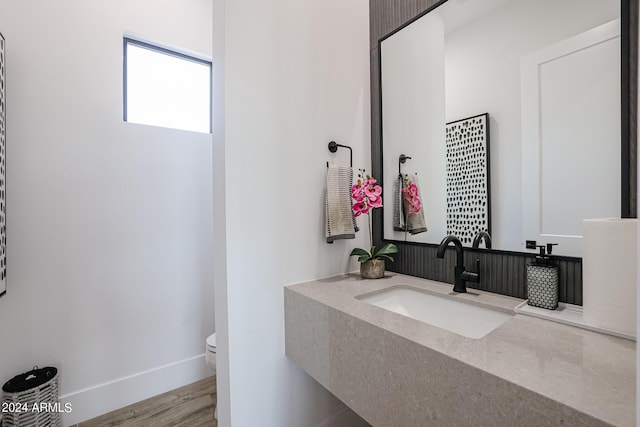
<point x="333" y="147"/>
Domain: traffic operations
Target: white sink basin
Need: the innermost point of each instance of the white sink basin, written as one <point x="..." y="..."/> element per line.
<point x="459" y="317"/>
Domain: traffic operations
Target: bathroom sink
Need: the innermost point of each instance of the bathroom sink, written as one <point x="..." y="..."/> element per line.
<point x="462" y="318"/>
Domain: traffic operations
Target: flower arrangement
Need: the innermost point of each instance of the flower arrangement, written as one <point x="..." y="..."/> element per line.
<point x="368" y="196"/>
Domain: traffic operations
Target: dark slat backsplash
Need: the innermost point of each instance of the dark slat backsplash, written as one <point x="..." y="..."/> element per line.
<point x="501" y="272"/>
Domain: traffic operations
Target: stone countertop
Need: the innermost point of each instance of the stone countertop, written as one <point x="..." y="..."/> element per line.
<point x="584" y="370"/>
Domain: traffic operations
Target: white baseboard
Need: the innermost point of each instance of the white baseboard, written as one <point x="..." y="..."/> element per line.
<point x="102" y="398"/>
<point x="346" y="418"/>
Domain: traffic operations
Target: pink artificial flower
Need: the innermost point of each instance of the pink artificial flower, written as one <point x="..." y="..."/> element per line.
<point x="414" y="204"/>
<point x="366" y="194"/>
<point x="360" y="208"/>
<point x="375" y="203"/>
<point x="417" y="204"/>
<point x="372" y="191"/>
<point x="413" y="189"/>
<point x="357" y="194"/>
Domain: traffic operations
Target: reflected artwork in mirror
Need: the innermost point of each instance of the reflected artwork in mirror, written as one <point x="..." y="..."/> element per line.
<point x="550" y="79"/>
<point x="3" y="210"/>
<point x="468" y="202"/>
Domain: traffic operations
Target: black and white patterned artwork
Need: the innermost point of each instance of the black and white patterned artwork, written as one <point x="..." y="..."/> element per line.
<point x="468" y="203"/>
<point x="3" y="208"/>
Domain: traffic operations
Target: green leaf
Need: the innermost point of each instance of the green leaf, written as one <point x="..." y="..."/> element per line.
<point x="385" y="256"/>
<point x="359" y="252"/>
<point x="389" y="248"/>
<point x="364" y="258"/>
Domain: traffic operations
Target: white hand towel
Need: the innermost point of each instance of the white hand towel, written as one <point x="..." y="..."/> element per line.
<point x="340" y="219"/>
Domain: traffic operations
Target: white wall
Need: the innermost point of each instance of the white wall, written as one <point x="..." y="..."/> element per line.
<point x="109" y="223"/>
<point x="295" y="76"/>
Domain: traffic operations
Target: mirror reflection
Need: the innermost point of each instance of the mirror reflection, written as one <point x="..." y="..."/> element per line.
<point x="545" y="76"/>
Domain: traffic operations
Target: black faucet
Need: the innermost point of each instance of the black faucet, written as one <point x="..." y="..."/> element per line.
<point x="461" y="276"/>
<point x="482" y="235"/>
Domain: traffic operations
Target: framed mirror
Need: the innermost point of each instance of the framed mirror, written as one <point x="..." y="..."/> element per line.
<point x="550" y="83"/>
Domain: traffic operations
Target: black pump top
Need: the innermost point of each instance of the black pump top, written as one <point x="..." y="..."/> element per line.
<point x="543" y="258"/>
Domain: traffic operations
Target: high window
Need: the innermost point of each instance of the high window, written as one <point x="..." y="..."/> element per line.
<point x="165" y="87"/>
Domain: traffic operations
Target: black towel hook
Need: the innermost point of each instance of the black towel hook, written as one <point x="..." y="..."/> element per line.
<point x="333" y="147"/>
<point x="401" y="160"/>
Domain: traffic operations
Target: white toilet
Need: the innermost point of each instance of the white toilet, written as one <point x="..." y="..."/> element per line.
<point x="210" y="355"/>
<point x="210" y="358"/>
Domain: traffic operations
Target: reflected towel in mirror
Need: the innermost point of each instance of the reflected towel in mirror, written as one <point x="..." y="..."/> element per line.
<point x="398" y="205"/>
<point x="403" y="218"/>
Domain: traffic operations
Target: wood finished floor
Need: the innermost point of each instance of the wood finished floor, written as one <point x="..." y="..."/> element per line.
<point x="188" y="406"/>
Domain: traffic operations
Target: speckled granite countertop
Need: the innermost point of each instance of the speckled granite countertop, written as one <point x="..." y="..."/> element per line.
<point x="591" y="373"/>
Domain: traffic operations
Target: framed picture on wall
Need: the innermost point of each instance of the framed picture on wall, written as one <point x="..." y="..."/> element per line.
<point x="468" y="195"/>
<point x="3" y="157"/>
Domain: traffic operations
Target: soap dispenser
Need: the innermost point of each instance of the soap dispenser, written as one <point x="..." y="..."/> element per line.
<point x="542" y="278"/>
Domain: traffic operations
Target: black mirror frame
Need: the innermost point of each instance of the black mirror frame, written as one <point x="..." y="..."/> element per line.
<point x="629" y="104"/>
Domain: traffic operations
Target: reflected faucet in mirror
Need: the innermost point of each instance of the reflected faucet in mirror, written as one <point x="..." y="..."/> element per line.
<point x="461" y="277"/>
<point x="483" y="235"/>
